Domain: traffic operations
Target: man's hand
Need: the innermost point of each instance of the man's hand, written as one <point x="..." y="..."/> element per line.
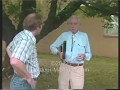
<point x="60" y="54"/>
<point x="22" y="71"/>
<point x="81" y="57"/>
<point x="31" y="81"/>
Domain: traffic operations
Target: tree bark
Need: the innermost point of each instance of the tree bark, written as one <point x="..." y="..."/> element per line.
<point x="8" y="34"/>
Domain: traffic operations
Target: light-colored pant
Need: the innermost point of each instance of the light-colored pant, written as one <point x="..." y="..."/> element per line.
<point x="17" y="83"/>
<point x="71" y="74"/>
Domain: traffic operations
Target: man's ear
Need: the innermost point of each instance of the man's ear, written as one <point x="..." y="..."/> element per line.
<point x="38" y="27"/>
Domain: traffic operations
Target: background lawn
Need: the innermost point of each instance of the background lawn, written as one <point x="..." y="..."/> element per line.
<point x="100" y="72"/>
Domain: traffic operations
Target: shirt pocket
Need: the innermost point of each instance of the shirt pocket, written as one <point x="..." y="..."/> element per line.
<point x="81" y="47"/>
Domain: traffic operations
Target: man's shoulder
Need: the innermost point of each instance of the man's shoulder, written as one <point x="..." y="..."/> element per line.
<point x="83" y="33"/>
<point x="22" y="36"/>
<point x="65" y="33"/>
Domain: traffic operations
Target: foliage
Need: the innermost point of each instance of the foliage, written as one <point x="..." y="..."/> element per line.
<point x="92" y="8"/>
<point x="100" y="8"/>
<point x="13" y="9"/>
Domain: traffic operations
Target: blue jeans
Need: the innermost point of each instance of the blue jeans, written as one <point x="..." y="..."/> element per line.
<point x="17" y="83"/>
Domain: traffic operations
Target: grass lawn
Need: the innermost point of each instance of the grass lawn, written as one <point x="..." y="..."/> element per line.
<point x="100" y="72"/>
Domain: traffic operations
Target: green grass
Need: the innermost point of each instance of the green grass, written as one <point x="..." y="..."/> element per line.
<point x="100" y="72"/>
<point x="103" y="73"/>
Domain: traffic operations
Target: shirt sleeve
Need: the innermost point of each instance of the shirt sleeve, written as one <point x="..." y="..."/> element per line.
<point x="55" y="45"/>
<point x="10" y="47"/>
<point x="22" y="50"/>
<point x="88" y="53"/>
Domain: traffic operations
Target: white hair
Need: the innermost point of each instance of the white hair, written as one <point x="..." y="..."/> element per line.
<point x="73" y="17"/>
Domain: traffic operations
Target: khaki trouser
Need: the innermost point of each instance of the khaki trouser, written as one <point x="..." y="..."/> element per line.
<point x="72" y="74"/>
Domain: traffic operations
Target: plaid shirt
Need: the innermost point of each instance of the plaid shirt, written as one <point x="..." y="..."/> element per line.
<point x="23" y="48"/>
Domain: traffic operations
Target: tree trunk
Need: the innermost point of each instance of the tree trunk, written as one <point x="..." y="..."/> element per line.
<point x="8" y="34"/>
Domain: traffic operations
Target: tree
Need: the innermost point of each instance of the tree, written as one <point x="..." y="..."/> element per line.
<point x="56" y="16"/>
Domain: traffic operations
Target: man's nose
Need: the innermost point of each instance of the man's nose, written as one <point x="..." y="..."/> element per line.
<point x="72" y="26"/>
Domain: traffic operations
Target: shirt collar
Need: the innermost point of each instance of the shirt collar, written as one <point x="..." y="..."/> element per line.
<point x="30" y="34"/>
<point x="76" y="34"/>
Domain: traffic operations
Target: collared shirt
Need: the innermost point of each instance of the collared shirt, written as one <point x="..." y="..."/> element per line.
<point x="79" y="45"/>
<point x="23" y="48"/>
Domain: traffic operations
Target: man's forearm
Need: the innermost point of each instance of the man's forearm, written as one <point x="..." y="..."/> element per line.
<point x="88" y="56"/>
<point x="54" y="50"/>
<point x="20" y="68"/>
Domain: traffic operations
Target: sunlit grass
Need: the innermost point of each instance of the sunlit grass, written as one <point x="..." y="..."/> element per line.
<point x="100" y="72"/>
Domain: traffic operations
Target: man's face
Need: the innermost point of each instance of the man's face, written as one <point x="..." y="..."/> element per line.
<point x="39" y="29"/>
<point x="74" y="25"/>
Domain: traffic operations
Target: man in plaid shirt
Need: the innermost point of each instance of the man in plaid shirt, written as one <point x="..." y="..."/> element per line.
<point x="23" y="54"/>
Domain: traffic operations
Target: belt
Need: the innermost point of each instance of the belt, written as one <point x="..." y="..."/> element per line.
<point x="73" y="64"/>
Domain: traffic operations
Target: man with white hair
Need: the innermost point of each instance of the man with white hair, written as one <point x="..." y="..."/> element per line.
<point x="77" y="51"/>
